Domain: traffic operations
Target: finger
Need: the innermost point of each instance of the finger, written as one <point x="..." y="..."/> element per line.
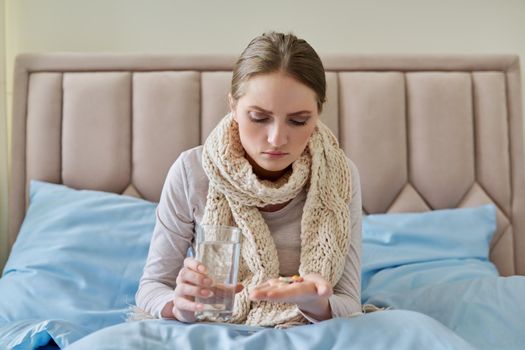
<point x="184" y="304"/>
<point x="185" y="289"/>
<point x="324" y="291"/>
<point x="271" y="284"/>
<point x="268" y="288"/>
<point x="257" y="295"/>
<point x="224" y="290"/>
<point x="275" y="282"/>
<point x="291" y="291"/>
<point x="324" y="288"/>
<point x="195" y="265"/>
<point x="263" y="292"/>
<point x="260" y="291"/>
<point x="184" y="316"/>
<point x="267" y="283"/>
<point x="190" y="276"/>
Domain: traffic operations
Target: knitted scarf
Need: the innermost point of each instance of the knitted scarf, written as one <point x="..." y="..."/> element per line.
<point x="235" y="193"/>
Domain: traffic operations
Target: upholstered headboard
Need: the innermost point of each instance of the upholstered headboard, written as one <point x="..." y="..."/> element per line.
<point x="426" y="132"/>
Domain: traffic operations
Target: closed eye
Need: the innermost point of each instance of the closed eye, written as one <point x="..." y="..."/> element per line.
<point x="298" y="122"/>
<point x="257" y="117"/>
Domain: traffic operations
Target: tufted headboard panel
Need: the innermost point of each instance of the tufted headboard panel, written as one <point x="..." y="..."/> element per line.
<point x="426" y="132"/>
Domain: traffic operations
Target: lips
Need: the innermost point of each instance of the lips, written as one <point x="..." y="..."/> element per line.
<point x="275" y="153"/>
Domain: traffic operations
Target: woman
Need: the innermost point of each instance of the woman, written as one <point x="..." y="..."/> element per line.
<point x="272" y="168"/>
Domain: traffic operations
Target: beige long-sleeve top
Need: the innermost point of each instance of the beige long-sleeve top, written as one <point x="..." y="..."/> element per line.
<point x="181" y="206"/>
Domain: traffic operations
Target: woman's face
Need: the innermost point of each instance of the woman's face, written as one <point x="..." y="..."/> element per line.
<point x="276" y="116"/>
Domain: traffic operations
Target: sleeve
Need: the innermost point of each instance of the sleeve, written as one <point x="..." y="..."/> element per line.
<point x="346" y="299"/>
<point x="172" y="235"/>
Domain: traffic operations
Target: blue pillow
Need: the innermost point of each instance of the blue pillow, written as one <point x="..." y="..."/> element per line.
<point x="75" y="265"/>
<point x="410" y="250"/>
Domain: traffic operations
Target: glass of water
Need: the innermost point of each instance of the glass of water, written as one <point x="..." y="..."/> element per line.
<point x="218" y="247"/>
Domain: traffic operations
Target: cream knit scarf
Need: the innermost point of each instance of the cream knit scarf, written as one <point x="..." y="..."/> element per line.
<point x="235" y="194"/>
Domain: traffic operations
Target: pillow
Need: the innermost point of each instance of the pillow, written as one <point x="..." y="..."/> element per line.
<point x="76" y="263"/>
<point x="410" y="250"/>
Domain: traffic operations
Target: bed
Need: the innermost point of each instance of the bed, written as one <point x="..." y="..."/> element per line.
<point x="437" y="141"/>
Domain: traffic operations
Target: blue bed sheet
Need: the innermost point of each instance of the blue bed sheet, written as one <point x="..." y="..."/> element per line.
<point x="380" y="330"/>
<point x="38" y="334"/>
<point x="485" y="313"/>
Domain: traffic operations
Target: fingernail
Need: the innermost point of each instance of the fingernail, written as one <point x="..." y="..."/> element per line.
<point x="206" y="293"/>
<point x="202" y="268"/>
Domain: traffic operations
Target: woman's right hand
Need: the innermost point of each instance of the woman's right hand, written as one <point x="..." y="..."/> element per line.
<point x="192" y="282"/>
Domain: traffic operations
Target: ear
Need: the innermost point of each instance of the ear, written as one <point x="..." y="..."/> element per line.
<point x="233" y="105"/>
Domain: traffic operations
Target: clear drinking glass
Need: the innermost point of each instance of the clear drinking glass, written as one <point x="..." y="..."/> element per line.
<point x="218" y="247"/>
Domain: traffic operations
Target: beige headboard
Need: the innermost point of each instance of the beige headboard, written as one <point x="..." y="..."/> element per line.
<point x="426" y="132"/>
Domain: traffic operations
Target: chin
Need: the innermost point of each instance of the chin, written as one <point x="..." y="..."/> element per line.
<point x="274" y="166"/>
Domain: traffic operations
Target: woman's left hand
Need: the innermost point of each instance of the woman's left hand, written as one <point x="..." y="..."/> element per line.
<point x="312" y="290"/>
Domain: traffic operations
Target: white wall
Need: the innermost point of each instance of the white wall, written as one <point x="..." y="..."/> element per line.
<point x="197" y="26"/>
<point x="3" y="144"/>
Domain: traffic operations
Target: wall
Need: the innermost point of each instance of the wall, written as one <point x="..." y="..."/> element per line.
<point x="3" y="143"/>
<point x="197" y="26"/>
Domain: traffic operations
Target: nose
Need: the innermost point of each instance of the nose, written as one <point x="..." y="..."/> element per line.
<point x="277" y="135"/>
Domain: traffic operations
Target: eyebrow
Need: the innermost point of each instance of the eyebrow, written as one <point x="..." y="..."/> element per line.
<point x="289" y="114"/>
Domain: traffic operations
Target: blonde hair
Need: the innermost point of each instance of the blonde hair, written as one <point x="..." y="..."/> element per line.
<point x="274" y="52"/>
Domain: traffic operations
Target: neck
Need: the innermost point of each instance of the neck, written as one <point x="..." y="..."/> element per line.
<point x="264" y="174"/>
<point x="275" y="207"/>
